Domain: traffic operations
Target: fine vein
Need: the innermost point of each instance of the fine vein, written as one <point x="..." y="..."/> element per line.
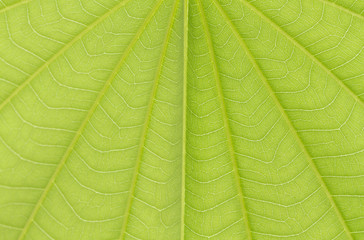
<point x="84" y="124"/>
<point x="146" y="124"/>
<point x="226" y="123"/>
<point x="285" y="116"/>
<point x="303" y="49"/>
<point x="342" y="8"/>
<point x="60" y="52"/>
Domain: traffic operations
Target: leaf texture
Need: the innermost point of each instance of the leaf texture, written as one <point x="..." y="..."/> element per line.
<point x="181" y="119"/>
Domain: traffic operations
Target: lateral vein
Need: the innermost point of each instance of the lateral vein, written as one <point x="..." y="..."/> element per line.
<point x="147" y="122"/>
<point x="303" y="49"/>
<point x="287" y="119"/>
<point x="239" y="185"/>
<point x="84" y="124"/>
<point x="7" y="8"/>
<point x="342" y="8"/>
<point x="61" y="51"/>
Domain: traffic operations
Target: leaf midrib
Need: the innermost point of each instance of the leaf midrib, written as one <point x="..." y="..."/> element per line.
<point x="184" y="118"/>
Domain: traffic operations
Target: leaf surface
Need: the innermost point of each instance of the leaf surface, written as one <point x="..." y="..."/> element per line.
<point x="176" y="119"/>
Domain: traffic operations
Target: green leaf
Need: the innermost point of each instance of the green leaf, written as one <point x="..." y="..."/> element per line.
<point x="181" y="119"/>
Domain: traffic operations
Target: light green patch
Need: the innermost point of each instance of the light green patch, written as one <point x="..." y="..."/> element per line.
<point x="181" y="119"/>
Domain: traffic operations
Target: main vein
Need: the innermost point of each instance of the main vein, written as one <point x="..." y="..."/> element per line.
<point x="303" y="49"/>
<point x="147" y="123"/>
<point x="228" y="134"/>
<point x="61" y="51"/>
<point x="285" y="116"/>
<point x="85" y="122"/>
<point x="184" y="119"/>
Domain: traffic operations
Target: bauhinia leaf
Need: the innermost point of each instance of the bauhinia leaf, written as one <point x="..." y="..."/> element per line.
<point x="181" y="119"/>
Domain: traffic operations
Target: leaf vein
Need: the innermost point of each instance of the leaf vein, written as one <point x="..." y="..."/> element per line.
<point x="228" y="133"/>
<point x="147" y="121"/>
<point x="304" y="50"/>
<point x="84" y="123"/>
<point x="287" y="119"/>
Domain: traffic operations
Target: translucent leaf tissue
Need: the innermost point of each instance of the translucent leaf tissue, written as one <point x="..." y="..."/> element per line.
<point x="181" y="119"/>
